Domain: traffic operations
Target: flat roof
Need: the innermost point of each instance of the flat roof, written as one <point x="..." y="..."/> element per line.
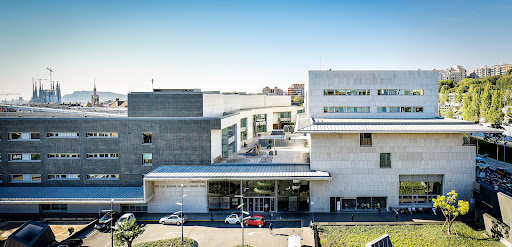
<point x="71" y="194"/>
<point x="237" y="172"/>
<point x="433" y="125"/>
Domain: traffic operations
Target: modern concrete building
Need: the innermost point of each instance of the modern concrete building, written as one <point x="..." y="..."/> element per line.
<point x="368" y="139"/>
<point x="65" y="155"/>
<point x="455" y="73"/>
<point x="377" y="135"/>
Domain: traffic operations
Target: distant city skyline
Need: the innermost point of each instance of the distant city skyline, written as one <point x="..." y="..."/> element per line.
<point x="237" y="45"/>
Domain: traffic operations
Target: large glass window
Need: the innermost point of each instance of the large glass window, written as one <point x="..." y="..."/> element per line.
<point x="400" y="92"/>
<point x="418" y="189"/>
<point x="147" y="138"/>
<point x="229" y="141"/>
<point x="147" y="159"/>
<point x="259" y="188"/>
<point x="385" y="160"/>
<point x="365" y="139"/>
<point x="260" y="123"/>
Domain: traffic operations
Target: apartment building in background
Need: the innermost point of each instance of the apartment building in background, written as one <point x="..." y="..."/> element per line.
<point x="455" y="73"/>
<point x="275" y="90"/>
<point x="296" y="90"/>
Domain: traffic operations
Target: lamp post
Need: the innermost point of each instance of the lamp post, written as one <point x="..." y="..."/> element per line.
<point x="181" y="212"/>
<point x="111" y="220"/>
<point x="242" y="214"/>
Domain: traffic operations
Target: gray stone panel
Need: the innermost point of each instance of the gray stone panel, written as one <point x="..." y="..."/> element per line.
<point x="165" y="104"/>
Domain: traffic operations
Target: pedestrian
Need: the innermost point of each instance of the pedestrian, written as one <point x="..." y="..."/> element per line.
<point x="211" y="215"/>
<point x="352" y="217"/>
<point x="379" y="212"/>
<point x="271" y="227"/>
<point x="396" y="216"/>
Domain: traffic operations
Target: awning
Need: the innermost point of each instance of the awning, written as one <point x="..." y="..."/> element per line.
<point x="71" y="195"/>
<point x="435" y="125"/>
<point x="237" y="172"/>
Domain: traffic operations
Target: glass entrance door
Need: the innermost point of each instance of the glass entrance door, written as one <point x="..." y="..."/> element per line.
<point x="260" y="204"/>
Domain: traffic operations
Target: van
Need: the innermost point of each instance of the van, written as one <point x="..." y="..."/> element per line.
<point x="480" y="163"/>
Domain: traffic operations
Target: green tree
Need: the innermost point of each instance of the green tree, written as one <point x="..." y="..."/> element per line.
<point x="449" y="113"/>
<point x="509" y="112"/>
<point x="451" y="208"/>
<point x="486" y="98"/>
<point x="495" y="114"/>
<point x="126" y="232"/>
<point x="466" y="105"/>
<point x="458" y="97"/>
<point x="509" y="72"/>
<point x="475" y="105"/>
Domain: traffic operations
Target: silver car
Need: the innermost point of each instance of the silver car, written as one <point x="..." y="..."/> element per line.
<point x="173" y="219"/>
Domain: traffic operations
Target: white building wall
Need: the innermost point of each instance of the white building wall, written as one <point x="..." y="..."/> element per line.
<point x="318" y="81"/>
<point x="168" y="193"/>
<point x="356" y="171"/>
<point x="216" y="144"/>
<point x="215" y="105"/>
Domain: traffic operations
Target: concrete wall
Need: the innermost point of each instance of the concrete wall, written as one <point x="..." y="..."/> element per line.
<point x="175" y="142"/>
<point x="18" y="208"/>
<point x="168" y="193"/>
<point x="356" y="171"/>
<point x="318" y="81"/>
<point x="92" y="208"/>
<point x="165" y="104"/>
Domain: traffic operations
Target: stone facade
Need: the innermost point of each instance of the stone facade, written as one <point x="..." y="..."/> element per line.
<point x="356" y="171"/>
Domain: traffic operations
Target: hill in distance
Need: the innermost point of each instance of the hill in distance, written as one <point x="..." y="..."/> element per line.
<point x="84" y="96"/>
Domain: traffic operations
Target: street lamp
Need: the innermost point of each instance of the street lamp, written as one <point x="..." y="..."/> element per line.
<point x="242" y="213"/>
<point x="181" y="212"/>
<point x="111" y="219"/>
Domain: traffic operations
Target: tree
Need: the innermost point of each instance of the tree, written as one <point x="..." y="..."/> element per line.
<point x="298" y="98"/>
<point x="449" y="113"/>
<point x="451" y="208"/>
<point x="495" y="112"/>
<point x="126" y="232"/>
<point x="466" y="105"/>
<point x="486" y="99"/>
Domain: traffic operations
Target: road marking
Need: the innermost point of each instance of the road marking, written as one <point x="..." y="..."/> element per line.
<point x="169" y="233"/>
<point x="251" y="233"/>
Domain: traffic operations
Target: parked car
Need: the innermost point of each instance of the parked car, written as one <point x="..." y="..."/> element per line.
<point x="71" y="243"/>
<point x="106" y="220"/>
<point x="480" y="163"/>
<point x="233" y="218"/>
<point x="128" y="217"/>
<point x="255" y="220"/>
<point x="174" y="218"/>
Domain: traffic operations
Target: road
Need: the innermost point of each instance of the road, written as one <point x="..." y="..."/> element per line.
<point x="208" y="233"/>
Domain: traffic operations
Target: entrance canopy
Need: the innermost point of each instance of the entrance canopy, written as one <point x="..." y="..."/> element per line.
<point x="237" y="172"/>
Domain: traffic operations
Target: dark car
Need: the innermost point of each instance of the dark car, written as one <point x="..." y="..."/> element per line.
<point x="255" y="221"/>
<point x="109" y="218"/>
<point x="71" y="243"/>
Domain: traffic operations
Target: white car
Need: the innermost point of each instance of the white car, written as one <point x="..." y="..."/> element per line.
<point x="233" y="218"/>
<point x="173" y="219"/>
<point x="480" y="163"/>
<point x="128" y="217"/>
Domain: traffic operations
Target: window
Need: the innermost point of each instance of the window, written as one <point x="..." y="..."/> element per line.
<point x="25" y="178"/>
<point x="385" y="160"/>
<point x="14" y="136"/>
<point x="400" y="109"/>
<point x="344" y="109"/>
<point x="347" y="92"/>
<point x="400" y="92"/>
<point x="24" y="157"/>
<point x="285" y="115"/>
<point x="243" y="122"/>
<point x="102" y="156"/>
<point x="419" y="189"/>
<point x="53" y="207"/>
<point x="63" y="176"/>
<point x="62" y="134"/>
<point x="102" y="176"/>
<point x="147" y="159"/>
<point x="101" y="135"/>
<point x="134" y="208"/>
<point x="329" y="92"/>
<point x="63" y="156"/>
<point x="147" y="138"/>
<point x="365" y="139"/>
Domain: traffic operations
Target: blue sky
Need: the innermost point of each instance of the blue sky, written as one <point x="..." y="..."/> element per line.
<point x="238" y="45"/>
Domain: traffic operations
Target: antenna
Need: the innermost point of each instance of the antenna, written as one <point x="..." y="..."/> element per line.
<point x="152" y="88"/>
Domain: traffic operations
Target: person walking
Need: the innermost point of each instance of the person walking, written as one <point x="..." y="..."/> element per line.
<point x="352" y="217"/>
<point x="396" y="216"/>
<point x="211" y="215"/>
<point x="271" y="227"/>
<point x="379" y="212"/>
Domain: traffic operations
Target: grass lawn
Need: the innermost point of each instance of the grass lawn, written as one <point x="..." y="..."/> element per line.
<point x="405" y="235"/>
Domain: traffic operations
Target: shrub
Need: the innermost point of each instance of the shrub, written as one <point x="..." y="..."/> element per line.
<point x="171" y="242"/>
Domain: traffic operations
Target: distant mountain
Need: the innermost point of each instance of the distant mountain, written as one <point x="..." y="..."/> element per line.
<point x="84" y="96"/>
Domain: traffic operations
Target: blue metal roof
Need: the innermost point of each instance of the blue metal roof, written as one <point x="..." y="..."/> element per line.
<point x="70" y="193"/>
